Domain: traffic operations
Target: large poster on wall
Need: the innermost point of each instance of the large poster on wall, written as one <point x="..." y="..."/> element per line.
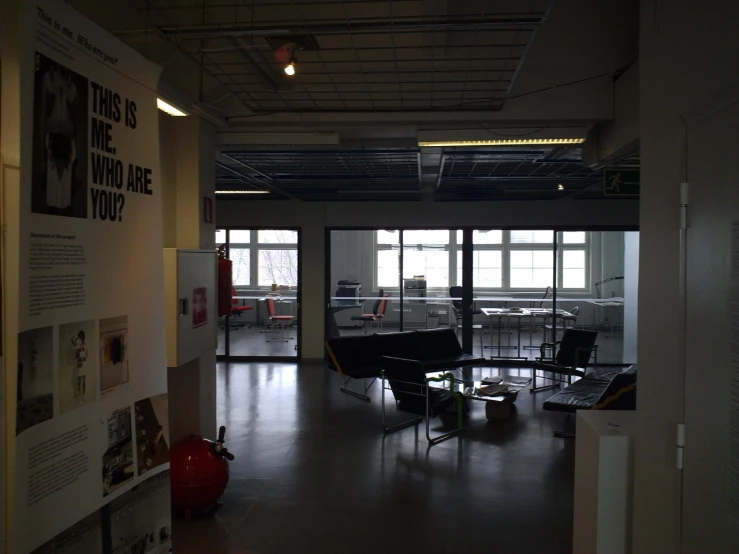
<point x="91" y="419"/>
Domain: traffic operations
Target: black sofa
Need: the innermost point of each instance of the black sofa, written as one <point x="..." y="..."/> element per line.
<point x="360" y="357"/>
<point x="604" y="389"/>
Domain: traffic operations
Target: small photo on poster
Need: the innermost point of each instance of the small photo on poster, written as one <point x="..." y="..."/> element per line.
<point x="118" y="458"/>
<point x="35" y="393"/>
<point x="84" y="536"/>
<point x="113" y="352"/>
<point x="140" y="519"/>
<point x="78" y="365"/>
<point x="152" y="432"/>
<point x="60" y="141"/>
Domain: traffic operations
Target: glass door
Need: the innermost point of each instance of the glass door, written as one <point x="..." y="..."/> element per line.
<point x="363" y="282"/>
<point x="265" y="309"/>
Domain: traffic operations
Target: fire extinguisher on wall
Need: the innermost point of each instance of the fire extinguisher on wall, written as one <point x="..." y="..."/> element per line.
<point x="225" y="283"/>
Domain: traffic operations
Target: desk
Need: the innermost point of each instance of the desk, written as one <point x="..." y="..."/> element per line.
<point x="501" y="313"/>
<point x="613" y="302"/>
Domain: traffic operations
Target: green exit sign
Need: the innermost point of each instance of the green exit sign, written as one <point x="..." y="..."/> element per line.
<point x="621" y="182"/>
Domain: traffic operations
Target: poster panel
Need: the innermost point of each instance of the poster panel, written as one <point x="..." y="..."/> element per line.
<point x="91" y="358"/>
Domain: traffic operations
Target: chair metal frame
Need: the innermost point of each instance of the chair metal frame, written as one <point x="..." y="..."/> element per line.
<point x="592" y="352"/>
<point x="423" y="392"/>
<point x="361" y="395"/>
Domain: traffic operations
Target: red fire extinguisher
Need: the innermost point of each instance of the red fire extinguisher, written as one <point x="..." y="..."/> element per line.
<point x="225" y="283"/>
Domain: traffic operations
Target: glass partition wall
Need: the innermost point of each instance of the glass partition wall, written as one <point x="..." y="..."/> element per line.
<point x="527" y="286"/>
<point x="263" y="321"/>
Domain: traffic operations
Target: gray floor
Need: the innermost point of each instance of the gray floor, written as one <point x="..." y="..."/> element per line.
<point x="314" y="473"/>
<point x="252" y="340"/>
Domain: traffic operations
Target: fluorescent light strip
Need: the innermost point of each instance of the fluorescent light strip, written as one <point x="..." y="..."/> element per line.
<point x="169" y="108"/>
<point x="242" y="192"/>
<point x="502" y="142"/>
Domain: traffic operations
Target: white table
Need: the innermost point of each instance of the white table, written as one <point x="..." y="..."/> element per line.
<point x="501" y="313"/>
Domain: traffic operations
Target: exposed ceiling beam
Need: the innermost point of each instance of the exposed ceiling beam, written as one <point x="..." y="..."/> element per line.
<point x="348" y="27"/>
<point x="262" y="183"/>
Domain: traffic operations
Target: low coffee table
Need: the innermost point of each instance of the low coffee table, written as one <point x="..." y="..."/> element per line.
<point x="498" y="397"/>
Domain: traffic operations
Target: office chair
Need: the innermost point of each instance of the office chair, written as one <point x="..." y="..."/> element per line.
<point x="456" y="294"/>
<point x="568" y="319"/>
<point x="571" y="359"/>
<point x="279" y="322"/>
<point x="479" y="328"/>
<point x="377" y="315"/>
<point x="237" y="307"/>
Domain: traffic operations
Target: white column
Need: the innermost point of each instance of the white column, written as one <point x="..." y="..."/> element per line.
<point x="187" y="161"/>
<point x="631" y="295"/>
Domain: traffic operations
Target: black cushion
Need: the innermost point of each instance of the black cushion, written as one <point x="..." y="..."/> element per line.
<point x="438" y="343"/>
<point x="603" y="389"/>
<point x="354" y="356"/>
<point x="398" y="345"/>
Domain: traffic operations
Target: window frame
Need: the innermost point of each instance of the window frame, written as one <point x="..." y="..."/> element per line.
<point x="255" y="247"/>
<point x="505" y="248"/>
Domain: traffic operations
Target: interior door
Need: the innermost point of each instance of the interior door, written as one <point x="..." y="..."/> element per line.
<point x="713" y="174"/>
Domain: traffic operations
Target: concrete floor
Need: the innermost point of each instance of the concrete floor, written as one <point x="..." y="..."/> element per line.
<point x="314" y="474"/>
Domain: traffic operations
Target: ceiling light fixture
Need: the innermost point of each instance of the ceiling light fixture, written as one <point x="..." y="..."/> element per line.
<point x="290" y="69"/>
<point x="560" y="186"/>
<point x="242" y="192"/>
<point x="503" y="142"/>
<point x="168" y="108"/>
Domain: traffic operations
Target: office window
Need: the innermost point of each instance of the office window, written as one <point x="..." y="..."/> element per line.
<point x="277" y="237"/>
<point x="241" y="268"/>
<point x="220" y="237"/>
<point x="487" y="269"/>
<point x="531" y="269"/>
<point x="502" y="260"/>
<point x="432" y="264"/>
<point x="278" y="266"/>
<point x="387" y="268"/>
<point x="261" y="258"/>
<point x="573" y="269"/>
<point x="576" y="237"/>
<point x="239" y="252"/>
<point x="531" y="237"/>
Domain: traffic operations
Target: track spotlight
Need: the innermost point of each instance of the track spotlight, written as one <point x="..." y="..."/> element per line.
<point x="290" y="69"/>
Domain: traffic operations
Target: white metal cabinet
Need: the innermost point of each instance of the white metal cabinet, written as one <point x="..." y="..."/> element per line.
<point x="190" y="286"/>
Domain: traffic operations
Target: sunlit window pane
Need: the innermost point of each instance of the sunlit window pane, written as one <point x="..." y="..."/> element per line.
<point x="278" y="266"/>
<point x="387" y="268"/>
<point x="241" y="270"/>
<point x="276" y="236"/>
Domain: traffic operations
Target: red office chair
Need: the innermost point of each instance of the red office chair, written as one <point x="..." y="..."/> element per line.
<point x="237" y="307"/>
<point x="279" y="322"/>
<point x="377" y="315"/>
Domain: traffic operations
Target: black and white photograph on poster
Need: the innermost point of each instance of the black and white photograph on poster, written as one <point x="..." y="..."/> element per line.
<point x="60" y="151"/>
<point x="84" y="536"/>
<point x="35" y="378"/>
<point x="140" y="520"/>
<point x="113" y="352"/>
<point x="118" y="458"/>
<point x="78" y="365"/>
<point x="152" y="432"/>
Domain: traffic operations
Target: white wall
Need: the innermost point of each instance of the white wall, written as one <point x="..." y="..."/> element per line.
<point x="314" y="217"/>
<point x="688" y="53"/>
